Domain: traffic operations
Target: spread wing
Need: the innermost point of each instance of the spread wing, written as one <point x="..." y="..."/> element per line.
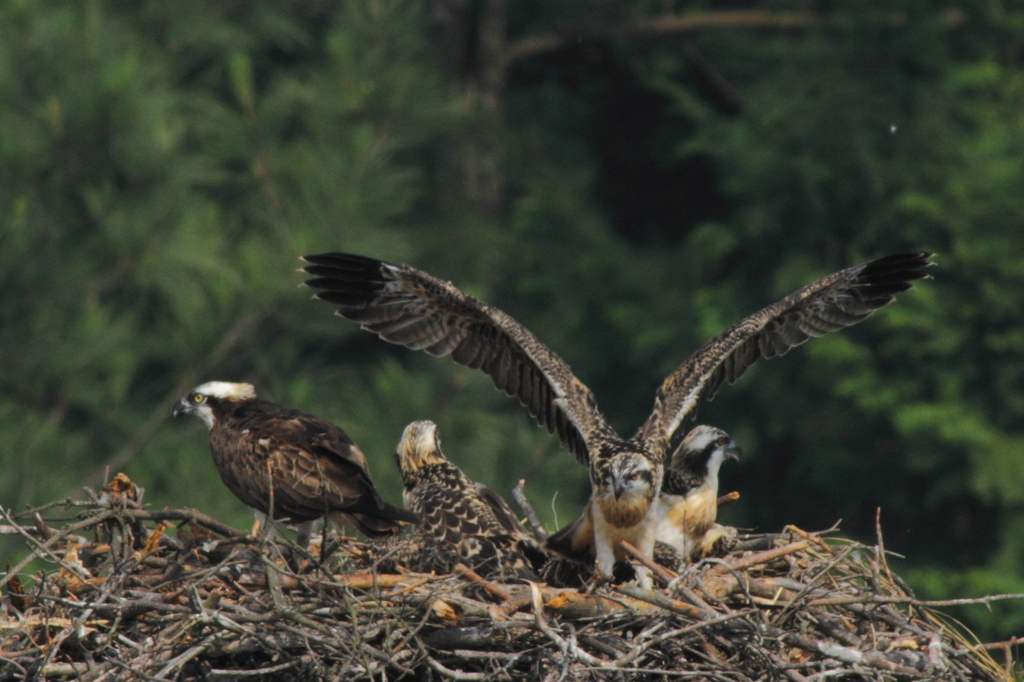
<point x="832" y="303"/>
<point x="411" y="308"/>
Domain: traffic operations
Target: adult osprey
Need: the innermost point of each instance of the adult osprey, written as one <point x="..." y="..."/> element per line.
<point x="303" y="467"/>
<point x="466" y="519"/>
<point x="409" y="307"/>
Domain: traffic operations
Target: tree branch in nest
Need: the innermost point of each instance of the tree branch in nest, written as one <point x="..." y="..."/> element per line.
<point x="519" y="495"/>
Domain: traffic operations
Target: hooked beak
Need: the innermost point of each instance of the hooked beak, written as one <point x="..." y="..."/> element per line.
<point x="733" y="451"/>
<point x="181" y="407"/>
<point x="619" y="487"/>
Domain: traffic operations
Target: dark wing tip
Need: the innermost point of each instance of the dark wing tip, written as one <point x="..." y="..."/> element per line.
<point x="382" y="525"/>
<point x="328" y="268"/>
<point x="343" y="279"/>
<point x="562" y="542"/>
<point x="850" y="296"/>
<point x="338" y="259"/>
<point x="908" y="263"/>
<point x="885" y="277"/>
<point x="341" y="297"/>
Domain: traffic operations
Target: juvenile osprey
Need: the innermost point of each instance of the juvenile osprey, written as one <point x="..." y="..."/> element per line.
<point x="303" y="466"/>
<point x="688" y="503"/>
<point x="409" y="307"/>
<point x="467" y="519"/>
<point x="684" y="513"/>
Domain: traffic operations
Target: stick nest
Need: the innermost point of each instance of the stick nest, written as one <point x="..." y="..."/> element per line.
<point x="123" y="592"/>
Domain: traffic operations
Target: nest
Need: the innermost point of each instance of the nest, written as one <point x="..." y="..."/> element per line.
<point x="117" y="596"/>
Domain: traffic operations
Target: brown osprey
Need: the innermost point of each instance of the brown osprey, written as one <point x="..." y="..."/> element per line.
<point x="304" y="467"/>
<point x="409" y="307"/>
<point x="688" y="503"/>
<point x="466" y="519"/>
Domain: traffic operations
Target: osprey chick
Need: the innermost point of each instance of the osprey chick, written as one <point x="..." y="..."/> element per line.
<point x="465" y="518"/>
<point x="688" y="504"/>
<point x="303" y="466"/>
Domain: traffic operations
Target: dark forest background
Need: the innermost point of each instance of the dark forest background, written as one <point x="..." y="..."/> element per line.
<point x="624" y="178"/>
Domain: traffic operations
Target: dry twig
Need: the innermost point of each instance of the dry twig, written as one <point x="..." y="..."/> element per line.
<point x="120" y="597"/>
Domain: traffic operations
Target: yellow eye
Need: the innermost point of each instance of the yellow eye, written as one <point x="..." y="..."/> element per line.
<point x="198" y="398"/>
<point x="721" y="440"/>
<point x="634" y="476"/>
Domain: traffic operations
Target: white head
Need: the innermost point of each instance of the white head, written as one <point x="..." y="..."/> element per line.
<point x="225" y="390"/>
<point x="205" y="398"/>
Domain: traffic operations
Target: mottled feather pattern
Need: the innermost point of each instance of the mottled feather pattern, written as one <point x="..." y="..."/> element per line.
<point x="460" y="520"/>
<point x="417" y="551"/>
<point x="832" y="303"/>
<point x="467" y="518"/>
<point x="409" y="307"/>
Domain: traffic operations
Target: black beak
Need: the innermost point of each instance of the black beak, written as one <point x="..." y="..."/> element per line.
<point x="733" y="451"/>
<point x="619" y="488"/>
<point x="181" y="407"/>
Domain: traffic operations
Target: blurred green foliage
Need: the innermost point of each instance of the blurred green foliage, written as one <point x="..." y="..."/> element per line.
<point x="625" y="193"/>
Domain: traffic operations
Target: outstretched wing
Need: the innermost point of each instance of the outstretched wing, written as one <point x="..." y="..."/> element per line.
<point x="832" y="303"/>
<point x="411" y="308"/>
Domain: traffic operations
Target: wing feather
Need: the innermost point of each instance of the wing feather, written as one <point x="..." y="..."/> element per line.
<point x="411" y="308"/>
<point x="315" y="467"/>
<point x="832" y="303"/>
<point x="499" y="508"/>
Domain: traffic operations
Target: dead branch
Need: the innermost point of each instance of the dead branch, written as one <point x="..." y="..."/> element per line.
<point x="119" y="597"/>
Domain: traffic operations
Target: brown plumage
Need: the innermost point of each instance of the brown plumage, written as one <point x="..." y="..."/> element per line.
<point x="304" y="466"/>
<point x="409" y="307"/>
<point x="418" y="551"/>
<point x="466" y="519"/>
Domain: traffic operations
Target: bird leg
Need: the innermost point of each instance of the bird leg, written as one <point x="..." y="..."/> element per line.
<point x="645" y="545"/>
<point x="604" y="562"/>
